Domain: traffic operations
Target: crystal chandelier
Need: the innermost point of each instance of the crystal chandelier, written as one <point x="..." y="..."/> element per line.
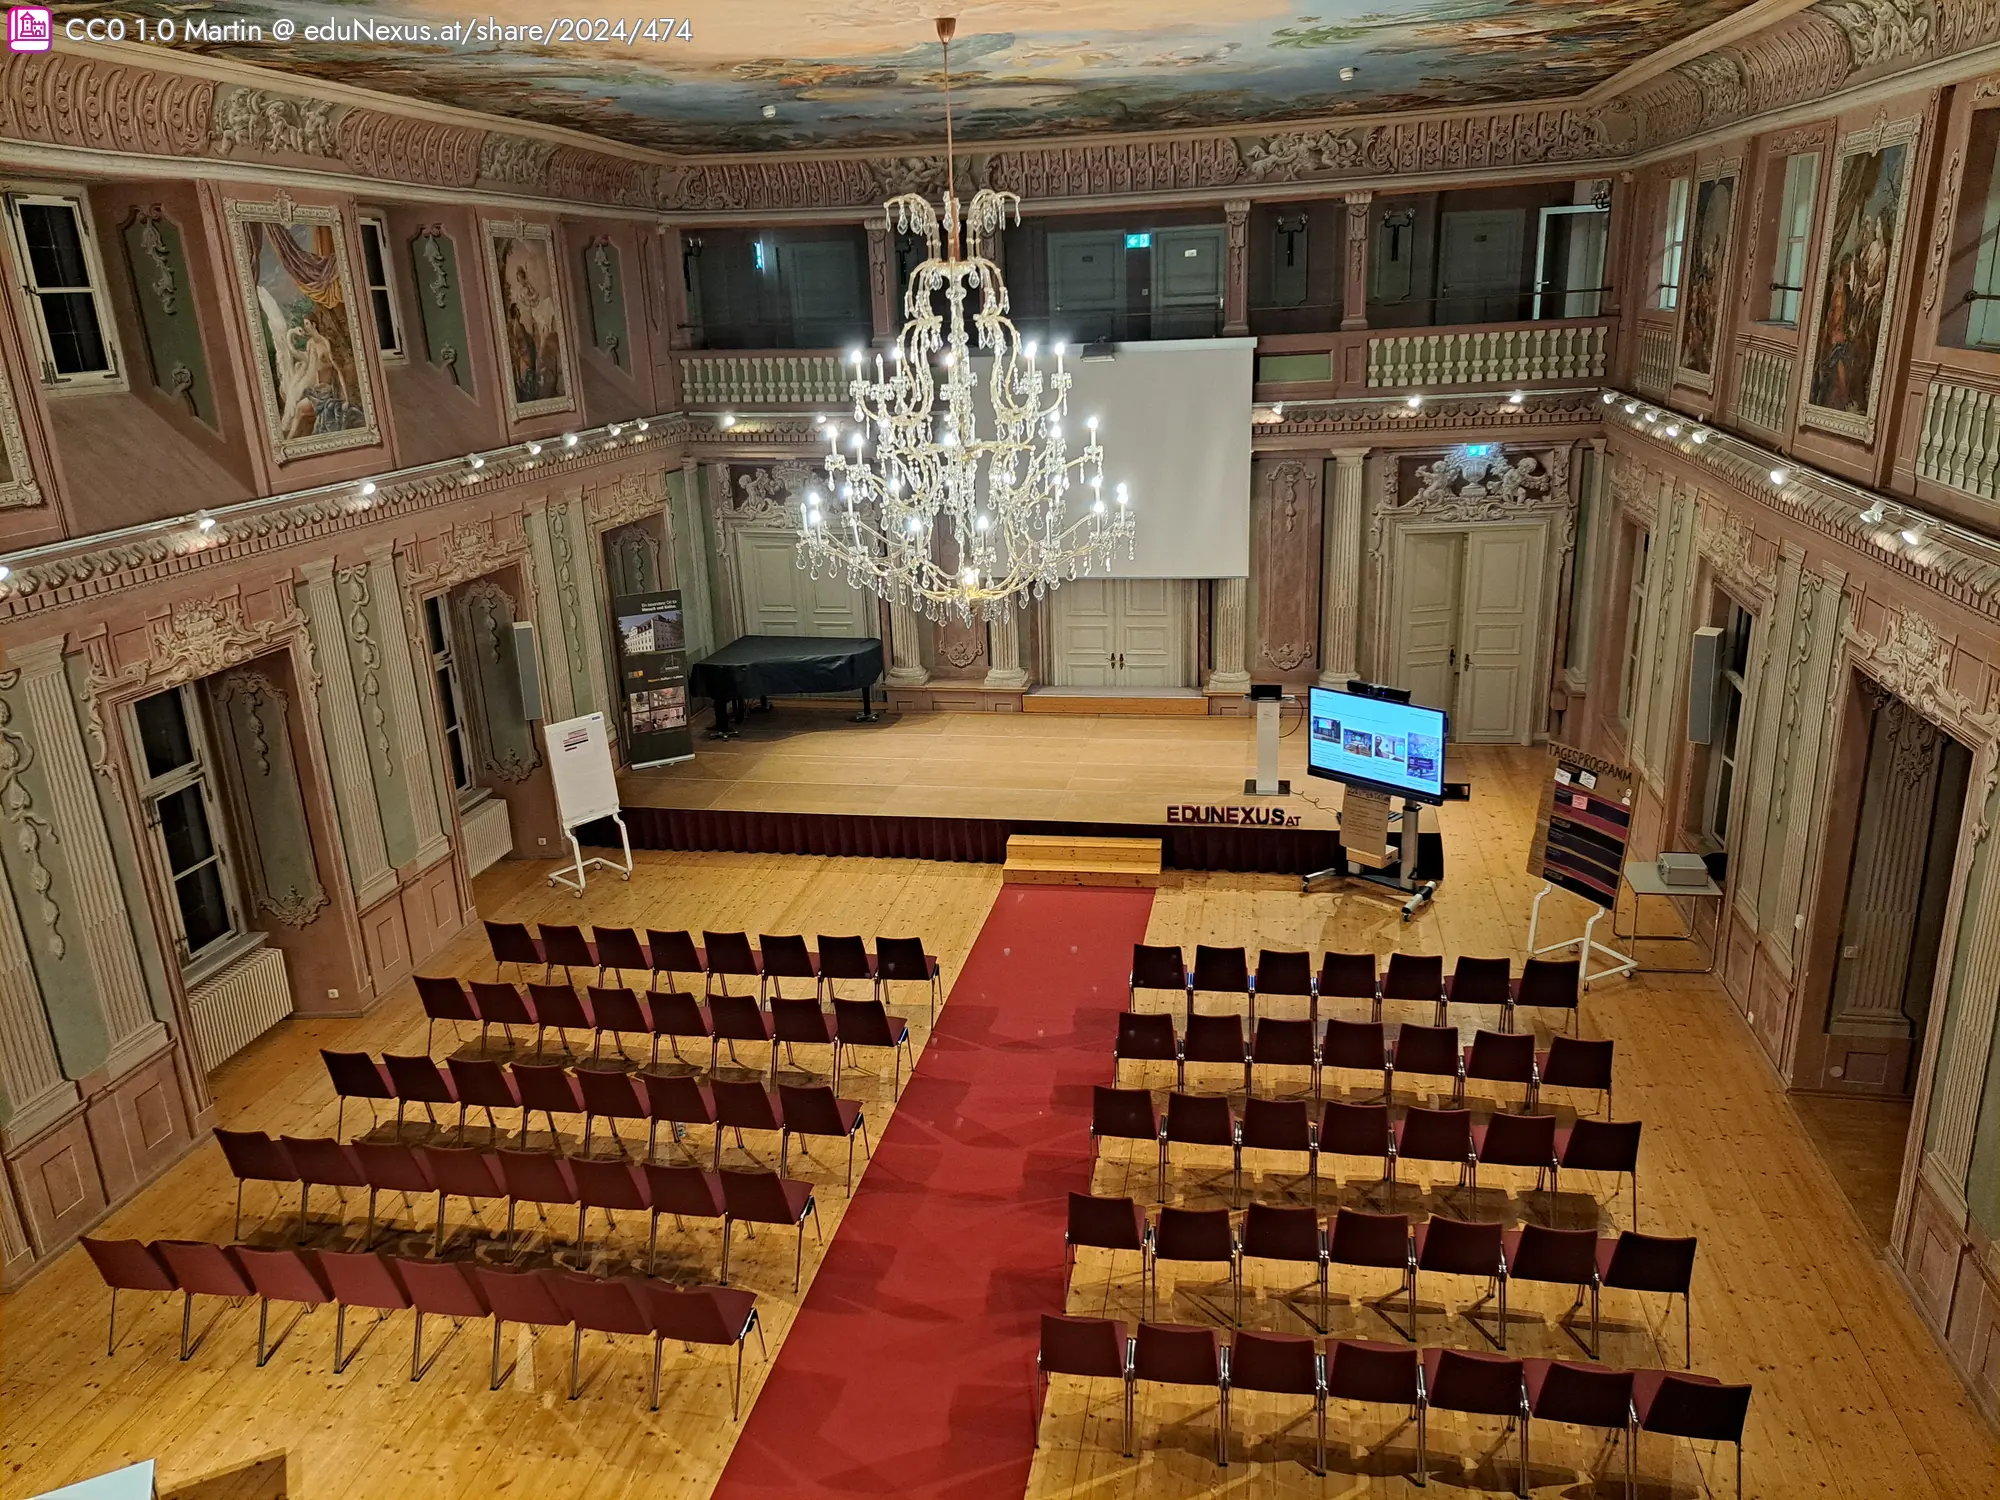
<point x="915" y="464"/>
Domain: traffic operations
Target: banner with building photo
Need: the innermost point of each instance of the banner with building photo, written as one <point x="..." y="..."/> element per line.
<point x="652" y="675"/>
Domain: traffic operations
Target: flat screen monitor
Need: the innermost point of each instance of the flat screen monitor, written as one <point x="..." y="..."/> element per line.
<point x="1396" y="748"/>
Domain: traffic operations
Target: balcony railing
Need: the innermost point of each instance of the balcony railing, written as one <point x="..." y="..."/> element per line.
<point x="764" y="379"/>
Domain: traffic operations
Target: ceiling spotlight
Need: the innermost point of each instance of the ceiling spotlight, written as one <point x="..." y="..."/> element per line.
<point x="614" y="429"/>
<point x="1517" y="398"/>
<point x="569" y="440"/>
<point x="1779" y="476"/>
<point x="5" y="572"/>
<point x="1913" y="533"/>
<point x="1347" y="75"/>
<point x="534" y="450"/>
<point x="367" y="486"/>
<point x="475" y="461"/>
<point x="1607" y="398"/>
<point x="1651" y="415"/>
<point x="729" y="419"/>
<point x="770" y="111"/>
<point x="1875" y="514"/>
<point x="642" y="424"/>
<point x="1414" y="401"/>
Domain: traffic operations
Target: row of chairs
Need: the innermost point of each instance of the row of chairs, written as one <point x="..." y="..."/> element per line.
<point x="1579" y="1258"/>
<point x="720" y="956"/>
<point x="385" y="1284"/>
<point x="674" y="1015"/>
<point x="1624" y="1402"/>
<point x="1538" y="1142"/>
<point x="1552" y="984"/>
<point x="540" y="1178"/>
<point x="1364" y="1046"/>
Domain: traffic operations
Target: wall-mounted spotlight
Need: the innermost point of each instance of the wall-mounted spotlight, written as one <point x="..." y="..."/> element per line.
<point x="1913" y="533"/>
<point x="367" y="487"/>
<point x="1875" y="515"/>
<point x="1779" y="476"/>
<point x="728" y="419"/>
<point x="534" y="450"/>
<point x="569" y="440"/>
<point x="204" y="522"/>
<point x="1414" y="401"/>
<point x="1517" y="398"/>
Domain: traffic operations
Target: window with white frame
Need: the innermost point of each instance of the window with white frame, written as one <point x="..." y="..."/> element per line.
<point x="1641" y="546"/>
<point x="56" y="255"/>
<point x="189" y="840"/>
<point x="1673" y="245"/>
<point x="1794" y="229"/>
<point x="381" y="286"/>
<point x="1729" y="721"/>
<point x="451" y="701"/>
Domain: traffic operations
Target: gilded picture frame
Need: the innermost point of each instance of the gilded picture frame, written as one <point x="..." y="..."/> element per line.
<point x="531" y="327"/>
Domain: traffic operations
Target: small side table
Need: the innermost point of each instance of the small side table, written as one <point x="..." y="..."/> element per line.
<point x="1642" y="878"/>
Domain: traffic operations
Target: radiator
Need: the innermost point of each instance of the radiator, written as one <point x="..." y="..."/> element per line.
<point x="489" y="834"/>
<point x="239" y="1005"/>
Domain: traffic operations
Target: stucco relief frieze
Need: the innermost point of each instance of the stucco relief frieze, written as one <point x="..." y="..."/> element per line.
<point x="265" y="122"/>
<point x="514" y="160"/>
<point x="467" y="552"/>
<point x="1883" y="31"/>
<point x="1912" y="659"/>
<point x="402" y="148"/>
<point x="66" y="100"/>
<point x="1729" y="547"/>
<point x="197" y="637"/>
<point x="26" y="827"/>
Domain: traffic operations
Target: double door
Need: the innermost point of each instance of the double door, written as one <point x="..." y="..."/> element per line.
<point x="1119" y="633"/>
<point x="778" y="597"/>
<point x="1091" y="283"/>
<point x="1468" y="622"/>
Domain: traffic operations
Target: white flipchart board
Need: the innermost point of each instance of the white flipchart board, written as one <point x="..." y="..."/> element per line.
<point x="586" y="785"/>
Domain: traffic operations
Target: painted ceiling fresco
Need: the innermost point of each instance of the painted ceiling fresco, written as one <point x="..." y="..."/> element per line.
<point x="865" y="73"/>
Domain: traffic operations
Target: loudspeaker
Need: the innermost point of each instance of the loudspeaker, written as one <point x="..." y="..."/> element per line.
<point x="525" y="669"/>
<point x="1704" y="676"/>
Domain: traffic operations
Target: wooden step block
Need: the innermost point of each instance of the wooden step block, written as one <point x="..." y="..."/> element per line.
<point x="1046" y="859"/>
<point x="1115" y="705"/>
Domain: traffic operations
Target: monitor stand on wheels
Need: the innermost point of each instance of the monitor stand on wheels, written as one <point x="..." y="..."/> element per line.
<point x="1364" y="825"/>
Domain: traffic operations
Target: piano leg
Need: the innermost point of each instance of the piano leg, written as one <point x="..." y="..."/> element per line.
<point x="867" y="714"/>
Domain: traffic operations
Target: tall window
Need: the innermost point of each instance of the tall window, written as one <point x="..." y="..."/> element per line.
<point x="1788" y="259"/>
<point x="1983" y="325"/>
<point x="1729" y="719"/>
<point x="451" y="702"/>
<point x="59" y="270"/>
<point x="1635" y="622"/>
<point x="381" y="289"/>
<point x="177" y="793"/>
<point x="1674" y="243"/>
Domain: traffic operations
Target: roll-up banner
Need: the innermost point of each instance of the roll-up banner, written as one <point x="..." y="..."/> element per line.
<point x="652" y="675"/>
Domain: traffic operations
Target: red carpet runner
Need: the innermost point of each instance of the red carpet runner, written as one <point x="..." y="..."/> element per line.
<point x="911" y="1368"/>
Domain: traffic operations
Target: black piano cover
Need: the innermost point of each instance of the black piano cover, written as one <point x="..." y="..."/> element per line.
<point x="755" y="666"/>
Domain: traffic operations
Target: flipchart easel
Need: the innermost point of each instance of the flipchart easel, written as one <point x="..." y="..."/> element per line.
<point x="586" y="790"/>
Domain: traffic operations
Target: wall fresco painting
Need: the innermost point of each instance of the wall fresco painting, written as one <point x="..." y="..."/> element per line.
<point x="538" y="373"/>
<point x="1707" y="280"/>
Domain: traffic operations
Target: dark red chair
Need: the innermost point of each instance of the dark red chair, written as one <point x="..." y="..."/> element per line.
<point x="684" y="1192"/>
<point x="1480" y="1384"/>
<point x="202" y="1270"/>
<point x="526" y="1297"/>
<point x="1103" y="1224"/>
<point x="1576" y="1063"/>
<point x="1283" y="972"/>
<point x="547" y="1089"/>
<point x="361" y="1278"/>
<point x="460" y="1173"/>
<point x="802" y="1022"/>
<point x="1216" y="1039"/>
<point x="418" y="1080"/>
<point x="620" y="951"/>
<point x="512" y="943"/>
<point x="1219" y="971"/>
<point x="815" y="1111"/>
<point x="1156" y="968"/>
<point x="1459" y="1247"/>
<point x="1429" y="1052"/>
<point x="130" y="1266"/>
<point x="1358" y="1046"/>
<point x="1517" y="1141"/>
<point x="1350" y="976"/>
<point x="673" y="953"/>
<point x="674" y="1014"/>
<point x="1480" y="981"/>
<point x="1125" y="1115"/>
<point x="556" y="1005"/>
<point x="1379" y="1241"/>
<point x="1601" y="1146"/>
<point x="1584" y="1396"/>
<point x="676" y="1102"/>
<point x="565" y="947"/>
<point x="767" y="1198"/>
<point x="390" y="1167"/>
<point x="443" y="1000"/>
<point x="747" y="1106"/>
<point x="700" y="1315"/>
<point x="1181" y="1354"/>
<point x="1356" y="1130"/>
<point x="1145" y="1036"/>
<point x="1090" y="1348"/>
<point x="322" y="1161"/>
<point x="282" y="1276"/>
<point x="787" y="957"/>
<point x="1436" y="1135"/>
<point x="482" y="1083"/>
<point x="356" y="1075"/>
<point x="727" y="953"/>
<point x="1696" y="1407"/>
<point x="1560" y="1257"/>
<point x="1285" y="1044"/>
<point x="1200" y="1235"/>
<point x="609" y="1096"/>
<point x="867" y="1023"/>
<point x="1418" y="977"/>
<point x="501" y="1005"/>
<point x="1280" y="1125"/>
<point x="616" y="1010"/>
<point x="844" y="958"/>
<point x="1282" y="1364"/>
<point x="1501" y="1057"/>
<point x="254" y="1157"/>
<point x="1637" y="1262"/>
<point x="738" y="1018"/>
<point x="1547" y="984"/>
<point x="1289" y="1234"/>
<point x="903" y="961"/>
<point x="1201" y="1120"/>
<point x="612" y="1186"/>
<point x="442" y="1289"/>
<point x="541" y="1179"/>
<point x="1383" y="1374"/>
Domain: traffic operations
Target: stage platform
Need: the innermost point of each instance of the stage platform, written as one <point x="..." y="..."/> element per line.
<point x="954" y="786"/>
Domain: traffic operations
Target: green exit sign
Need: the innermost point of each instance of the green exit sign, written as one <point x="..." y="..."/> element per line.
<point x="1138" y="241"/>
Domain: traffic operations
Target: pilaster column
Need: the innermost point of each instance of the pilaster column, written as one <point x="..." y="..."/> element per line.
<point x="1003" y="652"/>
<point x="1340" y="571"/>
<point x="882" y="282"/>
<point x="1967" y="1045"/>
<point x="412" y="737"/>
<point x="1354" y="278"/>
<point x="1227" y="629"/>
<point x="1236" y="269"/>
<point x="906" y="657"/>
<point x="347" y="747"/>
<point x="37" y="1092"/>
<point x="549" y="624"/>
<point x="135" y="1033"/>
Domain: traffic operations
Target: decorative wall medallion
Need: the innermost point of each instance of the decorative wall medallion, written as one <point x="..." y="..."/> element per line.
<point x="960" y="653"/>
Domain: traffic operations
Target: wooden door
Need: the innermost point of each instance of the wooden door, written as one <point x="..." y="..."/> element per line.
<point x="1087" y="282"/>
<point x="1187" y="282"/>
<point x="1479" y="266"/>
<point x="1429" y="565"/>
<point x="1499" y="624"/>
<point x="1150" y="611"/>
<point x="1119" y="633"/>
<point x="777" y="597"/>
<point x="1083" y="624"/>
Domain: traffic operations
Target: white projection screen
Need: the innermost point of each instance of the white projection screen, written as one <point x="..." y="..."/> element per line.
<point x="1174" y="418"/>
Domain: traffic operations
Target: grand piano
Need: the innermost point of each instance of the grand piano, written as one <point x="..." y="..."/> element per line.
<point x="756" y="666"/>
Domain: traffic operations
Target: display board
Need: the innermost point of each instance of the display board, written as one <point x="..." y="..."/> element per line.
<point x="1396" y="748"/>
<point x="652" y="677"/>
<point x="580" y="765"/>
<point x="1584" y="823"/>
